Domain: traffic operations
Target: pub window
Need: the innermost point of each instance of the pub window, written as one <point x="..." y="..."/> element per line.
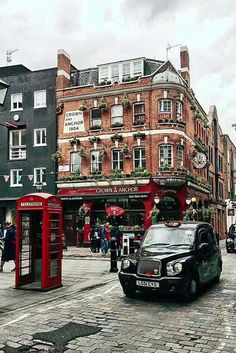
<point x="139" y="158"/>
<point x="138" y="113"/>
<point x="165" y="156"/>
<point x="117" y="160"/>
<point x="96" y="162"/>
<point x="165" y="106"/>
<point x="95" y="119"/>
<point x="75" y="162"/>
<point x="116" y="115"/>
<point x="179" y="109"/>
<point x="180" y="156"/>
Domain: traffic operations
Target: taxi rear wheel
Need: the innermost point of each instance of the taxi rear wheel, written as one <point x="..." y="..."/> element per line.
<point x="191" y="290"/>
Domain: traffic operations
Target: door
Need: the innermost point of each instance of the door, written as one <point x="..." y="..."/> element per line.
<point x="30" y="246"/>
<point x="205" y="256"/>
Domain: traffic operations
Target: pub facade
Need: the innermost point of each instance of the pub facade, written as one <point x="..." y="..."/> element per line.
<point x="131" y="134"/>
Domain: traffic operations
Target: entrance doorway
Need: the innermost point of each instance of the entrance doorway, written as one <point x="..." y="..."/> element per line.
<point x="169" y="209"/>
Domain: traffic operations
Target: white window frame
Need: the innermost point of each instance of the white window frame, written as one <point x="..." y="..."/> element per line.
<point x="96" y="121"/>
<point x="139" y="162"/>
<point x="117" y="114"/>
<point x="179" y="109"/>
<point x="75" y="162"/>
<point x="139" y="116"/>
<point x="17" y="151"/>
<point x="15" y="177"/>
<point x="119" y="161"/>
<point x="180" y="155"/>
<point x="40" y="175"/>
<point x="18" y="99"/>
<point x="115" y="73"/>
<point x="96" y="164"/>
<point x="165" y="156"/>
<point x="126" y="69"/>
<point x="165" y="106"/>
<point x="42" y="135"/>
<point x="40" y="99"/>
<point x="137" y="68"/>
<point x="104" y="73"/>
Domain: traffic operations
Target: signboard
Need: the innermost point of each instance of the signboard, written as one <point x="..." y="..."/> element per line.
<point x="231" y="212"/>
<point x="74" y="122"/>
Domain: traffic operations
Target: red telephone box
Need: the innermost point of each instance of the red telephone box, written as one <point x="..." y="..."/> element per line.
<point x="38" y="242"/>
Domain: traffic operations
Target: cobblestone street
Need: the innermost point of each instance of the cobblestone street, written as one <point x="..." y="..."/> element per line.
<point x="146" y="324"/>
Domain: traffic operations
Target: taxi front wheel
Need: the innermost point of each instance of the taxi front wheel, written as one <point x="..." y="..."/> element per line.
<point x="129" y="291"/>
<point x="191" y="290"/>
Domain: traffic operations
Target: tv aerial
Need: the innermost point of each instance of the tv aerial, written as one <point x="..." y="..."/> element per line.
<point x="9" y="54"/>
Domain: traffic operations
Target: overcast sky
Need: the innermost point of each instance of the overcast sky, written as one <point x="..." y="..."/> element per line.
<point x="99" y="31"/>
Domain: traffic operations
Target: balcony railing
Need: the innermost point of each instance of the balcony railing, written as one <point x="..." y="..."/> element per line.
<point x="19" y="153"/>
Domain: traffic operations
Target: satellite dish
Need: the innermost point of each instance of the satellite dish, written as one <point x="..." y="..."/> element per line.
<point x="16" y="117"/>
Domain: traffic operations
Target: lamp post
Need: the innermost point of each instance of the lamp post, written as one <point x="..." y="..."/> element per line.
<point x="39" y="185"/>
<point x="3" y="92"/>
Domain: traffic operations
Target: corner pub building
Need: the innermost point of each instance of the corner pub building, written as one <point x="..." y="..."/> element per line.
<point x="131" y="134"/>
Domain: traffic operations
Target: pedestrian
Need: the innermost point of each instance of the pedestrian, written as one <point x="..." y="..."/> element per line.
<point x="104" y="242"/>
<point x="9" y="249"/>
<point x="108" y="236"/>
<point x="94" y="238"/>
<point x="117" y="234"/>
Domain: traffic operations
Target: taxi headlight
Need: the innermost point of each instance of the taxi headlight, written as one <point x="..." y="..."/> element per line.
<point x="173" y="268"/>
<point x="125" y="264"/>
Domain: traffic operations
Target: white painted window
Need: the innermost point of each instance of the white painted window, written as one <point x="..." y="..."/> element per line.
<point x="40" y="137"/>
<point x="96" y="161"/>
<point x="95" y="119"/>
<point x="180" y="156"/>
<point x="179" y="109"/>
<point x="137" y="68"/>
<point x="40" y="175"/>
<point x="117" y="159"/>
<point x="104" y="73"/>
<point x="16" y="101"/>
<point x="15" y="177"/>
<point x="40" y="99"/>
<point x="75" y="162"/>
<point x="139" y="158"/>
<point x="165" y="106"/>
<point x="117" y="114"/>
<point x="138" y="113"/>
<point x="17" y="148"/>
<point x="165" y="156"/>
<point x="125" y="70"/>
<point x="115" y="73"/>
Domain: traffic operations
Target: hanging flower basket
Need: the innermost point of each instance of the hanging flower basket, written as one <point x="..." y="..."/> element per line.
<point x="82" y="153"/>
<point x="75" y="141"/>
<point x="126" y="102"/>
<point x="126" y="149"/>
<point x="102" y="152"/>
<point x="56" y="156"/>
<point x="139" y="135"/>
<point x="83" y="106"/>
<point x="94" y="139"/>
<point x="102" y="103"/>
<point x="83" y="210"/>
<point x="116" y="137"/>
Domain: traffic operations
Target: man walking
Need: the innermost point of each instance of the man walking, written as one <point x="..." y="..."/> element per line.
<point x="9" y="250"/>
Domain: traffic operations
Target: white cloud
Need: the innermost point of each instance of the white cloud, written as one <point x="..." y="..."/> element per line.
<point x="94" y="32"/>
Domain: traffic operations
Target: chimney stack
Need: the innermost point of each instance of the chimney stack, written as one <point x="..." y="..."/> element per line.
<point x="63" y="69"/>
<point x="184" y="64"/>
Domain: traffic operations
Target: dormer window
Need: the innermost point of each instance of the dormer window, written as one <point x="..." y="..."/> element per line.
<point x="138" y="68"/>
<point x="115" y="73"/>
<point x="104" y="73"/>
<point x="125" y="70"/>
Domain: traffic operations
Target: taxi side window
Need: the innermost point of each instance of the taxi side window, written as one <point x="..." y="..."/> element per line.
<point x="203" y="236"/>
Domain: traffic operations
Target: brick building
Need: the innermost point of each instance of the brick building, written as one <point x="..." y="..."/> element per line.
<point x="132" y="134"/>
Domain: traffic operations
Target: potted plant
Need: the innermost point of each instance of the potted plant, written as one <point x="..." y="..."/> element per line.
<point x="102" y="152"/>
<point x="94" y="139"/>
<point x="102" y="103"/>
<point x="116" y="125"/>
<point x="82" y="152"/>
<point x="83" y="106"/>
<point x="95" y="127"/>
<point x="139" y="135"/>
<point x="126" y="102"/>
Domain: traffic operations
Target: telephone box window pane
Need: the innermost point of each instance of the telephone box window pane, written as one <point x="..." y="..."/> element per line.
<point x="53" y="271"/>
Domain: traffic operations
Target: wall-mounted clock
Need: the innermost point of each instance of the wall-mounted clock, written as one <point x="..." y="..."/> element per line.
<point x="16" y="117"/>
<point x="200" y="160"/>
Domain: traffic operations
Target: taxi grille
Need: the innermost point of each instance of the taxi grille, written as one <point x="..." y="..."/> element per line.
<point x="150" y="268"/>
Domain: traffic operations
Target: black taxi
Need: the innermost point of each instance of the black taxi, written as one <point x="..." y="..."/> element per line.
<point x="174" y="257"/>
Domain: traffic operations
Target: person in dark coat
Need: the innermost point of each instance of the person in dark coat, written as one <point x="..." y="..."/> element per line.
<point x="116" y="234"/>
<point x="9" y="250"/>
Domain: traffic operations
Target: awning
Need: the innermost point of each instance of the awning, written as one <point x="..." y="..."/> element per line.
<point x="113" y="211"/>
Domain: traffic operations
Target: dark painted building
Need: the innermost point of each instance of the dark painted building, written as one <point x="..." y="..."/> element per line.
<point x="27" y="135"/>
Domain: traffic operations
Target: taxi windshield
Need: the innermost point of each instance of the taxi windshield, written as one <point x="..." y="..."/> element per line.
<point x="170" y="236"/>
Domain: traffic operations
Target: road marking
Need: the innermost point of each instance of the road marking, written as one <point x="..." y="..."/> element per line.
<point x="110" y="289"/>
<point x="16" y="320"/>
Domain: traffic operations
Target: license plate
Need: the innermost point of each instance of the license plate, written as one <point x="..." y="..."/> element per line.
<point x="148" y="284"/>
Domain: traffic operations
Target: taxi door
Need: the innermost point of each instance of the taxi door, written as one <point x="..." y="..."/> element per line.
<point x="205" y="254"/>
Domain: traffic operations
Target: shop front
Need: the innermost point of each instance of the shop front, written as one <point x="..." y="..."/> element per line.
<point x="84" y="207"/>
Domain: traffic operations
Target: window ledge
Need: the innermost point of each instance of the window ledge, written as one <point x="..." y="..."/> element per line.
<point x="16" y="186"/>
<point x="40" y="145"/>
<point x="41" y="106"/>
<point x="16" y="110"/>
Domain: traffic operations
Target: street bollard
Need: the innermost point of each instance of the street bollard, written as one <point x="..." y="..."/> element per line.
<point x="113" y="267"/>
<point x="125" y="245"/>
<point x="131" y="245"/>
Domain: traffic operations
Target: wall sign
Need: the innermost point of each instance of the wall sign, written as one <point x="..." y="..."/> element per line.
<point x="74" y="122"/>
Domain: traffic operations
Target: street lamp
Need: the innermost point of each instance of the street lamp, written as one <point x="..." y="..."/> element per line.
<point x="3" y="92"/>
<point x="39" y="185"/>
